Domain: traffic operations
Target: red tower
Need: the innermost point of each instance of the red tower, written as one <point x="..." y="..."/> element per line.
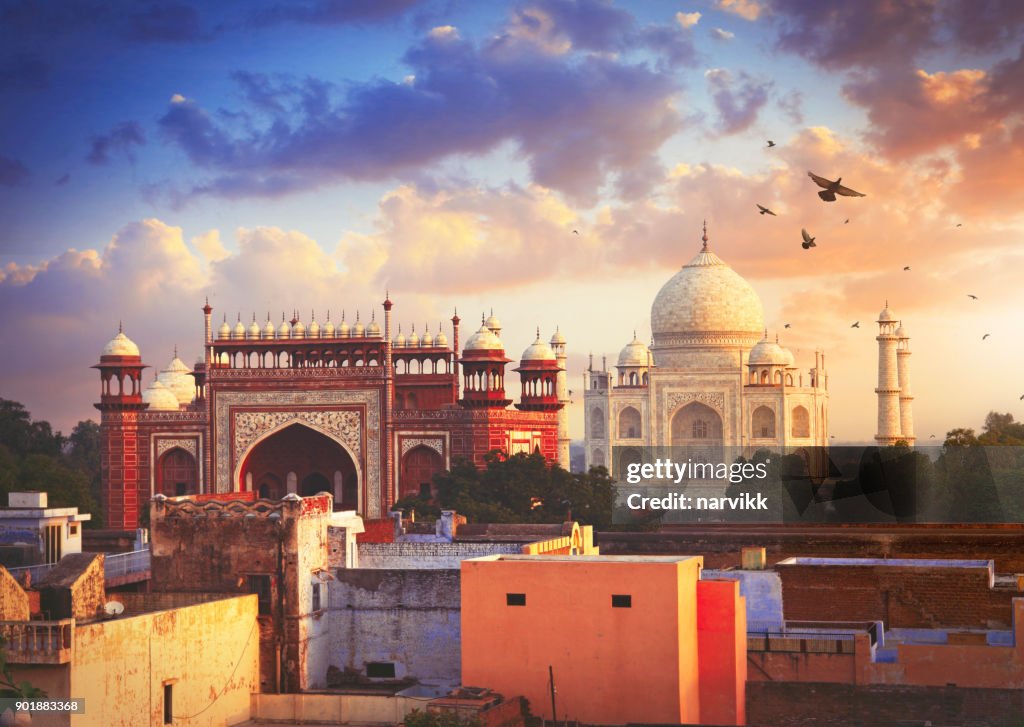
<point x="120" y="403"/>
<point x="483" y="371"/>
<point x="538" y="373"/>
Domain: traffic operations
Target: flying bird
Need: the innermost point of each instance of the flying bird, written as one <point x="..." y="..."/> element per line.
<point x="856" y="325"/>
<point x="786" y="326"/>
<point x="830" y="189"/>
<point x="575" y="232"/>
<point x="906" y="267"/>
<point x="985" y="336"/>
<point x="959" y="224"/>
<point x="932" y="437"/>
<point x="765" y="210"/>
<point x="770" y="143"/>
<point x="808" y="240"/>
<point x="1022" y="397"/>
<point x="972" y="297"/>
<point x="846" y="221"/>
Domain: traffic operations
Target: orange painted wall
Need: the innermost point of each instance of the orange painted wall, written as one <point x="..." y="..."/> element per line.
<point x="612" y="665"/>
<point x="722" y="640"/>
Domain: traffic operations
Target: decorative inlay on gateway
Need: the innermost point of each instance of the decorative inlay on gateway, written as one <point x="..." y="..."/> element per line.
<point x="342" y="425"/>
<point x="435" y="443"/>
<point x="716" y="400"/>
<point x="225" y="404"/>
<point x="189" y="445"/>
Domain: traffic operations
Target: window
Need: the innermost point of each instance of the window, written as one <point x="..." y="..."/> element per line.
<point x="168" y="704"/>
<point x="380" y="670"/>
<point x="515" y="599"/>
<point x="316" y="596"/>
<point x="260" y="585"/>
<point x="72" y="529"/>
<point x="622" y="600"/>
<point x="700" y="429"/>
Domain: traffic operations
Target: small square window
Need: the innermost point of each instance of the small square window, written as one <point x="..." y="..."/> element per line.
<point x="622" y="600"/>
<point x="260" y="585"/>
<point x="380" y="670"/>
<point x="515" y="599"/>
<point x="316" y="596"/>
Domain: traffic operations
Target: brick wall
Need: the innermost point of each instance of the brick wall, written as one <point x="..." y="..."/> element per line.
<point x="901" y="596"/>
<point x="428" y="555"/>
<point x="788" y="704"/>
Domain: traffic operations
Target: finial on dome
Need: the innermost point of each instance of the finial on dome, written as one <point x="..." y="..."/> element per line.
<point x="538" y="333"/>
<point x="120" y="326"/>
<point x="483" y="318"/>
<point x="776" y="336"/>
<point x="328" y="314"/>
<point x="175" y="350"/>
<point x="886" y="302"/>
<point x="704" y="237"/>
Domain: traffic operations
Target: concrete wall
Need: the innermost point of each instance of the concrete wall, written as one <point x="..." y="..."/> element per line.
<point x="722" y="645"/>
<point x="612" y="665"/>
<point x="409" y="617"/>
<point x="334" y="708"/>
<point x="207" y="650"/>
<point x="762" y="590"/>
<point x="428" y="555"/>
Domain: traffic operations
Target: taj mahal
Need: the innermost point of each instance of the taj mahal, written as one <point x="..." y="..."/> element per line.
<point x="712" y="378"/>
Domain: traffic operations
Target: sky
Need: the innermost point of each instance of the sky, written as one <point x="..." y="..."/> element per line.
<point x="312" y="155"/>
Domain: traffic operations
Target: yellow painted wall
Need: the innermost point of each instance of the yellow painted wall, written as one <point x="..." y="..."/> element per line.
<point x="211" y="649"/>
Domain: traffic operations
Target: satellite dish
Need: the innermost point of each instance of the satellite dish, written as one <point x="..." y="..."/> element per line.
<point x="113" y="608"/>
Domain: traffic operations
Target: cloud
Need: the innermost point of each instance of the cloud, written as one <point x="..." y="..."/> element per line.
<point x="746" y="9"/>
<point x="210" y="246"/>
<point x="687" y="20"/>
<point x="576" y="122"/>
<point x="791" y="105"/>
<point x="119" y="139"/>
<point x="738" y="99"/>
<point x="12" y="172"/>
<point x="24" y="71"/>
<point x="334" y="12"/>
<point x="719" y="34"/>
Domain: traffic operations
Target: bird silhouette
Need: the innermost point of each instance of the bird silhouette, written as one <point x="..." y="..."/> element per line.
<point x="959" y="224"/>
<point x="846" y="221"/>
<point x="972" y="297"/>
<point x="575" y="232"/>
<point x="770" y="143"/>
<point x="856" y="325"/>
<point x="932" y="437"/>
<point x="985" y="336"/>
<point x="765" y="211"/>
<point x="786" y="326"/>
<point x="1022" y="397"/>
<point x="906" y="267"/>
<point x="830" y="189"/>
<point x="808" y="240"/>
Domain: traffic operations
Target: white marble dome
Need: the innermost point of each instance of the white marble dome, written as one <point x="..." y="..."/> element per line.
<point x="634" y="353"/>
<point x="268" y="329"/>
<point x="557" y="338"/>
<point x="225" y="329"/>
<point x="176" y="378"/>
<point x="706" y="300"/>
<point x="121" y="345"/>
<point x="538" y="351"/>
<point x="483" y="340"/>
<point x="440" y="339"/>
<point x="885" y="316"/>
<point x="159" y="397"/>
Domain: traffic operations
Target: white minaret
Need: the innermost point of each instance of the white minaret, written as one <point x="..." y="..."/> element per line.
<point x="888" y="380"/>
<point x="906" y="398"/>
<point x="562" y="391"/>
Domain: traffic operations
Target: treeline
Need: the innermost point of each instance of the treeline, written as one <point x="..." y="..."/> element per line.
<point x="522" y="488"/>
<point x="34" y="457"/>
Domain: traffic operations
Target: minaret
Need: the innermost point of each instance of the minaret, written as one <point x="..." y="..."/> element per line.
<point x="389" y="405"/>
<point x="888" y="380"/>
<point x="455" y="355"/>
<point x="903" y="372"/>
<point x="562" y="391"/>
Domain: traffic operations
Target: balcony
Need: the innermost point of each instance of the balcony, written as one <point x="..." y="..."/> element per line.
<point x="38" y="642"/>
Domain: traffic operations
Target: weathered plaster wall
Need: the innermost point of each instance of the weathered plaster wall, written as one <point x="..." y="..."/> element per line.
<point x="409" y="617"/>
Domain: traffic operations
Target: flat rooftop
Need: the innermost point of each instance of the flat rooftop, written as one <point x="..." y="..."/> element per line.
<point x="891" y="562"/>
<point x="588" y="558"/>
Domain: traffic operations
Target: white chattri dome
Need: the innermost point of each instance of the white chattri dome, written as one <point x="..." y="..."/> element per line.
<point x="254" y="328"/>
<point x="901" y="332"/>
<point x="159" y="397"/>
<point x="483" y="340"/>
<point x="634" y="353"/>
<point x="374" y="328"/>
<point x="557" y="338"/>
<point x="121" y="345"/>
<point x="705" y="300"/>
<point x="225" y="329"/>
<point x="176" y="378"/>
<point x="769" y="353"/>
<point x="440" y="339"/>
<point x="268" y="329"/>
<point x="885" y="316"/>
<point x="538" y="351"/>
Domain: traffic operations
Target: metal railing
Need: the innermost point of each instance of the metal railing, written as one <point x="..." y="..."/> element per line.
<point x="38" y="642"/>
<point x="115" y="565"/>
<point x="801" y="642"/>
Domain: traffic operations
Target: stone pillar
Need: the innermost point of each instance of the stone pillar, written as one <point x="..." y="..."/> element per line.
<point x="888" y="389"/>
<point x="903" y="375"/>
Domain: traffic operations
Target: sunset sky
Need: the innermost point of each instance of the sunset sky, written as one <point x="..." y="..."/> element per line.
<point x="280" y="155"/>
